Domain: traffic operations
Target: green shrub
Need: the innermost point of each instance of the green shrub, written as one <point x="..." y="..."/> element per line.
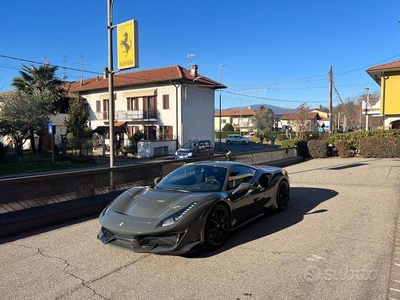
<point x="343" y="149"/>
<point x="380" y="147"/>
<point x="317" y="148"/>
<point x="301" y="146"/>
<point x="281" y="137"/>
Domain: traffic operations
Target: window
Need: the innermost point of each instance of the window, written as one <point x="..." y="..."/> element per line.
<point x="165" y="101"/>
<point x="166" y="132"/>
<point x="98" y="106"/>
<point x="150" y="133"/>
<point x="105" y="108"/>
<point x="238" y="175"/>
<point x="132" y="130"/>
<point x="132" y="103"/>
<point x="150" y="107"/>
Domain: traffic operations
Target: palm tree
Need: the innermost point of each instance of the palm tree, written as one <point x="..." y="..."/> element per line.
<point x="42" y="78"/>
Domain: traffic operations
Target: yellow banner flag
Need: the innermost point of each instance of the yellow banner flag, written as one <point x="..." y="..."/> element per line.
<point x="127" y="36"/>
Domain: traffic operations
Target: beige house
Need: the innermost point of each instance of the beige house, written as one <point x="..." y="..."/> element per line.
<point x="240" y="119"/>
<point x="168" y="105"/>
<point x="303" y="122"/>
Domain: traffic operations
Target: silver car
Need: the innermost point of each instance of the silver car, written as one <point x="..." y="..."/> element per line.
<point x="236" y="139"/>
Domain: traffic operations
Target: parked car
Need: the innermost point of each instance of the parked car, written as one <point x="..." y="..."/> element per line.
<point x="195" y="205"/>
<point x="194" y="148"/>
<point x="250" y="135"/>
<point x="236" y="139"/>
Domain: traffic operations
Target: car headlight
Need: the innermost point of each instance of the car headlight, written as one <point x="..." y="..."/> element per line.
<point x="284" y="172"/>
<point x="190" y="154"/>
<point x="176" y="216"/>
<point x="176" y="152"/>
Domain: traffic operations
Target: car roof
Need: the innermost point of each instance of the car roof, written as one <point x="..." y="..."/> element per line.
<point x="222" y="163"/>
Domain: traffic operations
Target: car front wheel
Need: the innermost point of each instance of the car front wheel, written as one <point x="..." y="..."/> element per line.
<point x="228" y="142"/>
<point x="217" y="226"/>
<point x="283" y="195"/>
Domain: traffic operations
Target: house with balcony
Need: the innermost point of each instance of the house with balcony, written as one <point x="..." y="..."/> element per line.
<point x="240" y="119"/>
<point x="168" y="105"/>
<point x="309" y="121"/>
<point x="387" y="76"/>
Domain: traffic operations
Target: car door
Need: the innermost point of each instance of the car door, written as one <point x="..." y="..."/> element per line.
<point x="243" y="202"/>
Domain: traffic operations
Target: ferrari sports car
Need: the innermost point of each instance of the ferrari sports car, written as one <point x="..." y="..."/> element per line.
<point x="196" y="205"/>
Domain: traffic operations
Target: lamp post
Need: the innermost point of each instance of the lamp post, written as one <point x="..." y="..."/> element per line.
<point x="220" y="107"/>
<point x="366" y="110"/>
<point x="110" y="71"/>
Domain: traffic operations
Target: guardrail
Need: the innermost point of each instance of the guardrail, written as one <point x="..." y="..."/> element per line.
<point x="40" y="200"/>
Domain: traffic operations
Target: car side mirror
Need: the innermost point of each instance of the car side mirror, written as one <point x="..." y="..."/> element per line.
<point x="157" y="180"/>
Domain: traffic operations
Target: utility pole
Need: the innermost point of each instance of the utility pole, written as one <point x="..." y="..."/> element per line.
<point x="366" y="110"/>
<point x="330" y="99"/>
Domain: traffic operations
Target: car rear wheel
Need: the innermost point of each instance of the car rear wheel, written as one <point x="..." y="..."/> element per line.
<point x="217" y="226"/>
<point x="244" y="143"/>
<point x="228" y="142"/>
<point x="283" y="195"/>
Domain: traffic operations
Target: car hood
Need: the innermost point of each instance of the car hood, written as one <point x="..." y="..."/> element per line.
<point x="149" y="203"/>
<point x="184" y="150"/>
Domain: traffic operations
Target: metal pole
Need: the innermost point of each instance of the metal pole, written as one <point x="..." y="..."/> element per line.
<point x="220" y="107"/>
<point x="110" y="84"/>
<point x="330" y="100"/>
<point x="366" y="110"/>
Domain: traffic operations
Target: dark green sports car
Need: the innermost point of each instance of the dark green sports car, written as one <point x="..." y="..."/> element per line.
<point x="195" y="205"/>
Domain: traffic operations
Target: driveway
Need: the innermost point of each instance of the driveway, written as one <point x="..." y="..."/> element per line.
<point x="335" y="241"/>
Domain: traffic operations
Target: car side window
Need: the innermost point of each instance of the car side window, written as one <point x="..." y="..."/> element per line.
<point x="238" y="175"/>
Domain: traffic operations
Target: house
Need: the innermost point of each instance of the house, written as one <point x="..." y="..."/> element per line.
<point x="168" y="105"/>
<point x="240" y="119"/>
<point x="310" y="121"/>
<point x="388" y="77"/>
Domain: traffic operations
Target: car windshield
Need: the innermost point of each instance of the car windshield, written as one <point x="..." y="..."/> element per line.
<point x="189" y="145"/>
<point x="195" y="178"/>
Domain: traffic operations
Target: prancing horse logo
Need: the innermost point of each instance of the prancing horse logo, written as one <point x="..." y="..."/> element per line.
<point x="124" y="43"/>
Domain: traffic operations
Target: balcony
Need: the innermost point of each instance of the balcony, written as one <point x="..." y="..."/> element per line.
<point x="130" y="115"/>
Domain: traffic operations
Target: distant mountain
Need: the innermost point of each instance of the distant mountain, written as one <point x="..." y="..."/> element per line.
<point x="276" y="109"/>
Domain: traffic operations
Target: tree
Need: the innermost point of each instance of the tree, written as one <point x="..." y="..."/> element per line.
<point x="135" y="138"/>
<point x="40" y="78"/>
<point x="263" y="120"/>
<point x="22" y="112"/>
<point x="300" y="121"/>
<point x="76" y="122"/>
<point x="228" y="128"/>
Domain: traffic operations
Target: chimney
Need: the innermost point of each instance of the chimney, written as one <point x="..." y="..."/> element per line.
<point x="193" y="72"/>
<point x="105" y="73"/>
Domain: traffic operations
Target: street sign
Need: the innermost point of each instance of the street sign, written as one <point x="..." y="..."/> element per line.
<point x="127" y="37"/>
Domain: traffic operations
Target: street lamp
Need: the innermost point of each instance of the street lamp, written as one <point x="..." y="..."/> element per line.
<point x="220" y="108"/>
<point x="110" y="71"/>
<point x="366" y="110"/>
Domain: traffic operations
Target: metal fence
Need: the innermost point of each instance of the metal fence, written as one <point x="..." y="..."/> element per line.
<point x="38" y="190"/>
<point x="23" y="197"/>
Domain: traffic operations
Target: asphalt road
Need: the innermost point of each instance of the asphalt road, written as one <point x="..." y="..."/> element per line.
<point x="335" y="241"/>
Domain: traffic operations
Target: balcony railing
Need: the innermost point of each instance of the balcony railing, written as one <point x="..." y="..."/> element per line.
<point x="130" y="115"/>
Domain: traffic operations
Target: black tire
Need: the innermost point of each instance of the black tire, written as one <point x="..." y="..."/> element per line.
<point x="217" y="226"/>
<point x="283" y="195"/>
<point x="244" y="143"/>
<point x="228" y="142"/>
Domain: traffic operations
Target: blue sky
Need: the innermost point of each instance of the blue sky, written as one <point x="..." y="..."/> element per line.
<point x="275" y="52"/>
